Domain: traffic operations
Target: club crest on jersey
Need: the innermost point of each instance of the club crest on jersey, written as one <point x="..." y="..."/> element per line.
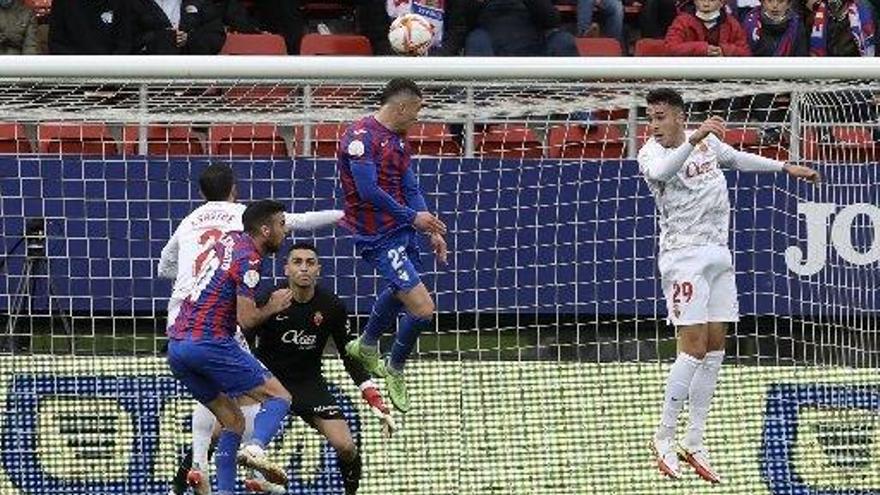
<point x="251" y="278"/>
<point x="356" y="148"/>
<point x="317" y="318"/>
<point x="676" y="311"/>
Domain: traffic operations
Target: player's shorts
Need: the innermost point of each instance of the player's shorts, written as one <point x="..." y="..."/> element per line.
<point x="211" y="367"/>
<point x="396" y="257"/>
<point x="699" y="285"/>
<point x="312" y="399"/>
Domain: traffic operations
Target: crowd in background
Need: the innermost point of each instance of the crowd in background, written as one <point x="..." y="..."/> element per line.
<point x="464" y="27"/>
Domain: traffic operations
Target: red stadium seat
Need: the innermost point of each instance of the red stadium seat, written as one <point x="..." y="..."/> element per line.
<point x="598" y="47"/>
<point x="335" y="44"/>
<point x="432" y="139"/>
<point x="649" y="47"/>
<point x="13" y="139"/>
<point x="328" y="9"/>
<point x="573" y="141"/>
<point x="509" y="141"/>
<point x="325" y="138"/>
<point x="254" y="44"/>
<point x="254" y="140"/>
<point x="162" y="140"/>
<point x="844" y="144"/>
<point x="749" y="140"/>
<point x="72" y="138"/>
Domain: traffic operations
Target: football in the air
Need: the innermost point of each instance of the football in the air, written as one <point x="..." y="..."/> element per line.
<point x="411" y="34"/>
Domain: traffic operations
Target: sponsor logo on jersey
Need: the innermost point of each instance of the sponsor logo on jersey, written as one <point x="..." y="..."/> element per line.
<point x="300" y="338"/>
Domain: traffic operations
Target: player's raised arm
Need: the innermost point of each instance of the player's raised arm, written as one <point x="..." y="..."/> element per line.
<point x="311" y="220"/>
<point x="750" y="162"/>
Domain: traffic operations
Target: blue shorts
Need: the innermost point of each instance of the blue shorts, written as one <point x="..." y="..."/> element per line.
<point x="396" y="257"/>
<point x="211" y="367"/>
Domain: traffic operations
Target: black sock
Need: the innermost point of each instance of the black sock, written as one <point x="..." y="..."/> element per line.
<point x="351" y="473"/>
<point x="178" y="484"/>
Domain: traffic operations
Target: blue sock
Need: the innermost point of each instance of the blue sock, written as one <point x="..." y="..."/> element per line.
<point x="407" y="334"/>
<point x="268" y="420"/>
<point x="384" y="314"/>
<point x="224" y="457"/>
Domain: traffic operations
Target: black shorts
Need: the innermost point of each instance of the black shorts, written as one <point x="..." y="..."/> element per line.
<point x="312" y="399"/>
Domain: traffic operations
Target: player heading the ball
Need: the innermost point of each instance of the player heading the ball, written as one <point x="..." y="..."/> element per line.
<point x="385" y="209"/>
<point x="682" y="169"/>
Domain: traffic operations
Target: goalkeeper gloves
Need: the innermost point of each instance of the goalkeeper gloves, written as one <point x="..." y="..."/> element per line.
<point x="371" y="395"/>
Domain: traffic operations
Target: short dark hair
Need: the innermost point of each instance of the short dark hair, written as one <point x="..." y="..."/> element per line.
<point x="216" y="182"/>
<point x="302" y="245"/>
<point x="665" y="95"/>
<point x="259" y="213"/>
<point x="398" y="86"/>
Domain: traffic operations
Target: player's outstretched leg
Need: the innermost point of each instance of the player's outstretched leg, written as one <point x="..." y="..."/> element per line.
<point x="276" y="402"/>
<point x="365" y="348"/>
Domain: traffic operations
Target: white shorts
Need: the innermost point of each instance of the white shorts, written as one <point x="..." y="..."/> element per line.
<point x="699" y="285"/>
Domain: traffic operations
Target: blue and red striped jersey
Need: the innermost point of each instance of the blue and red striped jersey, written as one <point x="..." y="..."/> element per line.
<point x="230" y="269"/>
<point x="380" y="190"/>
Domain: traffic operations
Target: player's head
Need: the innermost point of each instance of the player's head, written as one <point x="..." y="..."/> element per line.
<point x="666" y="116"/>
<point x="264" y="221"/>
<point x="302" y="267"/>
<point x="217" y="183"/>
<point x="401" y="101"/>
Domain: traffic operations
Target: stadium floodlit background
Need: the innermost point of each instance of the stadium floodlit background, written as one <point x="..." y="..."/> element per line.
<point x="544" y="372"/>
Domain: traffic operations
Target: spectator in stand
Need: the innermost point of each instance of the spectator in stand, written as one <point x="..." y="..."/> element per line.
<point x="18" y="29"/>
<point x="657" y="16"/>
<point x="706" y="29"/>
<point x="610" y="18"/>
<point x="177" y="27"/>
<point x="90" y="27"/>
<point x="523" y="28"/>
<point x="236" y="18"/>
<point x="774" y="29"/>
<point x="841" y="28"/>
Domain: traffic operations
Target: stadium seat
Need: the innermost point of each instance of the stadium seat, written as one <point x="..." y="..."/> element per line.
<point x="840" y="144"/>
<point x="325" y="138"/>
<point x="254" y="140"/>
<point x="328" y="9"/>
<point x="749" y="139"/>
<point x="72" y="138"/>
<point x="13" y="139"/>
<point x="509" y="141"/>
<point x="163" y="140"/>
<point x="254" y="44"/>
<point x="598" y="47"/>
<point x="573" y="141"/>
<point x="649" y="47"/>
<point x="433" y="139"/>
<point x="335" y="44"/>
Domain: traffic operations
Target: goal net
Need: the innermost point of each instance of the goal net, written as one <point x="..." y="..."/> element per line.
<point x="544" y="371"/>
